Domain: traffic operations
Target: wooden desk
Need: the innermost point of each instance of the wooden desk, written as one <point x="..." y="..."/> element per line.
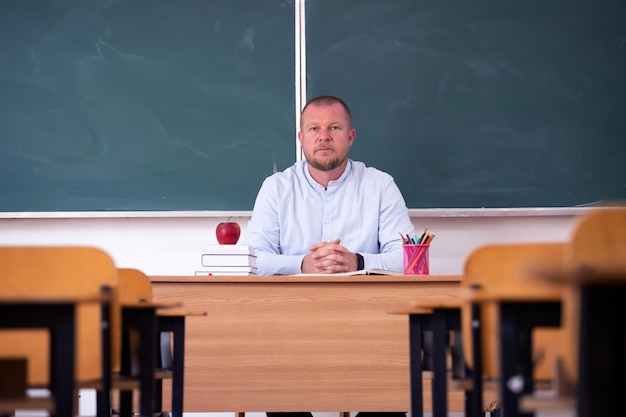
<point x="173" y="322"/>
<point x="58" y="315"/>
<point x="519" y="314"/>
<point x="600" y="335"/>
<point x="314" y="343"/>
<point x="142" y="318"/>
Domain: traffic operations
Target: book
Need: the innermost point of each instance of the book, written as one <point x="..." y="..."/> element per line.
<point x="376" y="272"/>
<point x="228" y="260"/>
<point x="228" y="250"/>
<point x="222" y="274"/>
<point x="238" y="269"/>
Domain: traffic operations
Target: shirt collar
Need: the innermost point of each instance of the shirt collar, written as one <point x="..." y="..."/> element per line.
<point x="332" y="185"/>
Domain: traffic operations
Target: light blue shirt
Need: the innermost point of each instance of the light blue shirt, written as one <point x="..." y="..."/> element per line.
<point x="364" y="208"/>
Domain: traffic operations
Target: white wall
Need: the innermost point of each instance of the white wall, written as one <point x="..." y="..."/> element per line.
<point x="166" y="244"/>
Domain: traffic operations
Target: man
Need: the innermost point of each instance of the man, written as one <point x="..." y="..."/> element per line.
<point x="327" y="214"/>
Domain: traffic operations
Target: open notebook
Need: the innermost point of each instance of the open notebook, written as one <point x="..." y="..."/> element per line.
<point x="363" y="272"/>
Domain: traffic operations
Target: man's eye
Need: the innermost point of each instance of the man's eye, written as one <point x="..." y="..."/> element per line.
<point x="335" y="128"/>
<point x="313" y="129"/>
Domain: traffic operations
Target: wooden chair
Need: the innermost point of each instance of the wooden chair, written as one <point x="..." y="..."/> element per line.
<point x="135" y="287"/>
<point x="594" y="272"/>
<point x="489" y="271"/>
<point x="52" y="275"/>
<point x="139" y="328"/>
<point x="520" y="319"/>
<point x="597" y="253"/>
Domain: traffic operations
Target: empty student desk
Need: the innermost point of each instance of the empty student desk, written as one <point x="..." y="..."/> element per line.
<point x="58" y="315"/>
<point x="594" y="269"/>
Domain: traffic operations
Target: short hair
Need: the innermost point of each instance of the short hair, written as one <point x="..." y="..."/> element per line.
<point x="326" y="101"/>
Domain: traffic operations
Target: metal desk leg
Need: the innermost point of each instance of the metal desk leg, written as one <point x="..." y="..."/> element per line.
<point x="517" y="320"/>
<point x="602" y="362"/>
<point x="176" y="325"/>
<point x="415" y="345"/>
<point x="439" y="382"/>
<point x="62" y="348"/>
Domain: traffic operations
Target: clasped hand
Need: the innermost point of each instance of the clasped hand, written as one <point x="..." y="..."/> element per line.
<point x="329" y="258"/>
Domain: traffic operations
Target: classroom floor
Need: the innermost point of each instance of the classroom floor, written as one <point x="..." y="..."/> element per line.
<point x="88" y="399"/>
<point x="426" y="414"/>
<point x="541" y="414"/>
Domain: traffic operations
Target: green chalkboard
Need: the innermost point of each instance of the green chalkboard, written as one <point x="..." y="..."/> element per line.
<point x="143" y="104"/>
<point x="483" y="103"/>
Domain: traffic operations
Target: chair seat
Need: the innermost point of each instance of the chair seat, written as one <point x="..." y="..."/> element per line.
<point x="118" y="382"/>
<point x="162" y="373"/>
<point x="542" y="400"/>
<point x="9" y="405"/>
<point x="465" y="384"/>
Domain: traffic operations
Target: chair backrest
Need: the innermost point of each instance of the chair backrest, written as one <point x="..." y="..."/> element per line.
<point x="58" y="272"/>
<point x="598" y="243"/>
<point x="597" y="246"/>
<point x="507" y="268"/>
<point x="134" y="286"/>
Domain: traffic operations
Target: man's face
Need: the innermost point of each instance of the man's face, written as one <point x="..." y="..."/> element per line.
<point x="326" y="136"/>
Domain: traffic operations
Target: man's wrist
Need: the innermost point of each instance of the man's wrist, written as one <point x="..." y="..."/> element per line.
<point x="360" y="262"/>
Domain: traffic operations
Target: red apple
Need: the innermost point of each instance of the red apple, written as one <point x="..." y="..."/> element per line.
<point x="227" y="233"/>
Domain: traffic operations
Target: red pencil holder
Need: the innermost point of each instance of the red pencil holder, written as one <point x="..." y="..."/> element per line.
<point x="416" y="259"/>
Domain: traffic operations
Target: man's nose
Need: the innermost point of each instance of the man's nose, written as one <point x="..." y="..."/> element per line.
<point x="325" y="135"/>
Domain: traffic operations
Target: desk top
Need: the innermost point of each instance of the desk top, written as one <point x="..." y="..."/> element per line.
<point x="49" y="300"/>
<point x="308" y="278"/>
<point x="500" y="295"/>
<point x="181" y="313"/>
<point x="611" y="274"/>
<point x="150" y="305"/>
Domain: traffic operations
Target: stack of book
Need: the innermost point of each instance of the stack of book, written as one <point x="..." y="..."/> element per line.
<point x="219" y="260"/>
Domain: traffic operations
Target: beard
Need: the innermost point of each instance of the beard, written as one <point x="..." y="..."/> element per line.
<point x="325" y="164"/>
